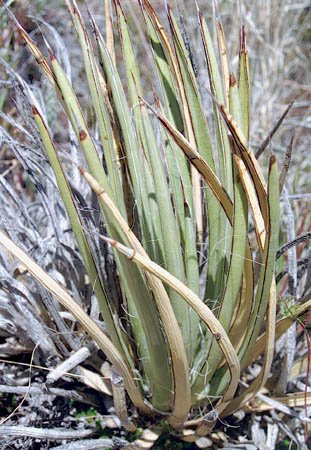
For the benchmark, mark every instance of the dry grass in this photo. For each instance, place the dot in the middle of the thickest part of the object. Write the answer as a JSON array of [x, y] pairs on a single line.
[[279, 44]]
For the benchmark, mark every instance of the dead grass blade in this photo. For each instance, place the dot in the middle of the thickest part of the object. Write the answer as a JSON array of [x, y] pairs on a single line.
[[88, 324], [273, 131]]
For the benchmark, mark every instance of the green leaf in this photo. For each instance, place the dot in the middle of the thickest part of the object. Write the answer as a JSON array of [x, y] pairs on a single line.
[[268, 263], [102, 115], [77, 228], [82, 317], [244, 86], [170, 234], [201, 309], [233, 282], [179, 363]]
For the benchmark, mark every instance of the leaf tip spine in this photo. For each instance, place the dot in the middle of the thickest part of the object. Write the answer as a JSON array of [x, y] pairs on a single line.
[[82, 135], [34, 110], [51, 54], [112, 242], [243, 40], [232, 80], [81, 170], [272, 160]]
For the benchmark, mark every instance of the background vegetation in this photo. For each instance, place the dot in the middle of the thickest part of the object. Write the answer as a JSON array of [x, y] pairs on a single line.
[[278, 41]]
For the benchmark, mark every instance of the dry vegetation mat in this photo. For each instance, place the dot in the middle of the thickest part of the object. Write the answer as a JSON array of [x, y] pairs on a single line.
[[155, 225]]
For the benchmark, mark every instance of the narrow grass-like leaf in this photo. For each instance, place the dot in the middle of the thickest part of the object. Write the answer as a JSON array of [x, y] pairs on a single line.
[[154, 364], [253, 202], [178, 166], [151, 345], [170, 324], [265, 292], [233, 281], [102, 115], [249, 160], [191, 258], [141, 308], [150, 342], [244, 86], [163, 55], [152, 238], [79, 124], [172, 248], [109, 31], [176, 177], [162, 48], [44, 65], [196, 127], [88, 324], [136, 291], [238, 249], [223, 56], [148, 333], [201, 165], [234, 102], [91, 155], [243, 312], [268, 139], [261, 379], [132, 71], [170, 57], [201, 309], [123, 113], [216, 85], [268, 260], [133, 153], [77, 228], [219, 230], [171, 242], [41, 60], [211, 61]]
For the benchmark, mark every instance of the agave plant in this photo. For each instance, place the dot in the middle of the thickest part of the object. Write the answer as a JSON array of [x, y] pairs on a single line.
[[184, 210]]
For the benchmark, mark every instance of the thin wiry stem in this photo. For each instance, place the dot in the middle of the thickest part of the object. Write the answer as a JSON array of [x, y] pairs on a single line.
[[303, 238]]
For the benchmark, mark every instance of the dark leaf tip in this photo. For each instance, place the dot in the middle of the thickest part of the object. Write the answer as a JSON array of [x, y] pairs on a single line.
[[51, 54], [243, 40], [232, 80], [82, 171], [82, 135], [34, 110]]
